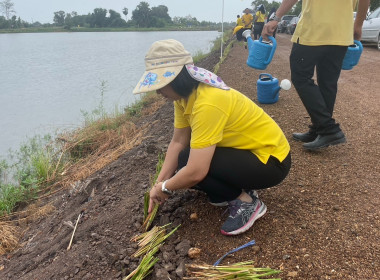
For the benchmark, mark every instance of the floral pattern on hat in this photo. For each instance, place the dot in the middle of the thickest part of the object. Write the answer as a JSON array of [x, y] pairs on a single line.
[[149, 80], [206, 77]]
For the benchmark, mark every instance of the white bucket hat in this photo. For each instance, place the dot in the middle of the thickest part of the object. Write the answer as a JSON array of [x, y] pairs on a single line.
[[163, 62]]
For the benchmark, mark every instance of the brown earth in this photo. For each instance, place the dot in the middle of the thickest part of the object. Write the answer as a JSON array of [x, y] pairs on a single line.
[[322, 221]]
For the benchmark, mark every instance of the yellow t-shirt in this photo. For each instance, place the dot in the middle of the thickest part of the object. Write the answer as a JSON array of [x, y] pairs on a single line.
[[260, 17], [325, 22], [228, 118], [247, 18], [239, 22]]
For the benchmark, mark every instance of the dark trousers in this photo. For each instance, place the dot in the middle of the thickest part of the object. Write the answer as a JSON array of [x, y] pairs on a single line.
[[233, 170], [257, 29], [319, 100]]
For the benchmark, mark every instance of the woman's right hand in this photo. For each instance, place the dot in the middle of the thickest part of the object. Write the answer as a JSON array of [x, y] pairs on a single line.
[[156, 196]]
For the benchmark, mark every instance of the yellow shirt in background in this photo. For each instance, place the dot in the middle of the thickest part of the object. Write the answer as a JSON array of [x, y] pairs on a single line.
[[260, 17], [326, 22], [247, 18], [228, 118], [239, 22]]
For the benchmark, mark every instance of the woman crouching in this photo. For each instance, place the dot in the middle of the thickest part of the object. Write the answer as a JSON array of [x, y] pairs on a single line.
[[223, 143]]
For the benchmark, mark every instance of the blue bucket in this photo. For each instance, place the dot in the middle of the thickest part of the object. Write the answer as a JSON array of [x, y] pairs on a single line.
[[268, 90]]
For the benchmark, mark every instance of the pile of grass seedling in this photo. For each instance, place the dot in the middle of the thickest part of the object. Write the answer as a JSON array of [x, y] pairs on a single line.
[[148, 243], [241, 271]]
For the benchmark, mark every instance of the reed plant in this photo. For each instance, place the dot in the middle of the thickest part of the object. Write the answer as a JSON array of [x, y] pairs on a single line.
[[149, 217], [241, 270], [150, 239], [145, 266], [148, 243]]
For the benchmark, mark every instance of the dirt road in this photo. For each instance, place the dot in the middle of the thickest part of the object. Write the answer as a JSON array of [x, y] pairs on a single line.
[[322, 221]]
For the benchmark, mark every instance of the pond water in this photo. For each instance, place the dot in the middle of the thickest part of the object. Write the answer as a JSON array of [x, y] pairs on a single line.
[[47, 80]]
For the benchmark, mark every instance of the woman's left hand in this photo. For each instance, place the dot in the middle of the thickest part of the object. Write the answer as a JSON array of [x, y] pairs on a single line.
[[156, 196]]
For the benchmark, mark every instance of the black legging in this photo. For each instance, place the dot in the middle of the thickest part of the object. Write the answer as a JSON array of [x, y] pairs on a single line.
[[233, 170]]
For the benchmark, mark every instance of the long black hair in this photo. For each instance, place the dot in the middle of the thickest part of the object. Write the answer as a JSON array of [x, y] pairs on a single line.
[[262, 9], [184, 84]]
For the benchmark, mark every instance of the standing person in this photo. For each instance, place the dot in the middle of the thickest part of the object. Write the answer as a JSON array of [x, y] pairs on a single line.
[[259, 22], [320, 44], [247, 19], [239, 21], [270, 14], [238, 29], [223, 143]]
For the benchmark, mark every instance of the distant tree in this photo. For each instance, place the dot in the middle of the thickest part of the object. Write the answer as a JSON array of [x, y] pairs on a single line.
[[6, 8], [14, 22], [68, 21], [115, 19], [297, 8], [98, 18], [161, 12], [59, 18], [125, 12], [273, 4], [141, 15], [374, 4], [257, 3]]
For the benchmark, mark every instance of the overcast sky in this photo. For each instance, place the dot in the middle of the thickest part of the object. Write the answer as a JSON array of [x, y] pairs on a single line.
[[209, 10]]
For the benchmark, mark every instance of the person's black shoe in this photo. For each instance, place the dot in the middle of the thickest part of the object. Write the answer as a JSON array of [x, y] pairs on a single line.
[[305, 137], [323, 141]]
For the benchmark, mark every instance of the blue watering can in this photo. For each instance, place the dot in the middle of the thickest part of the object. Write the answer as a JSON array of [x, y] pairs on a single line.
[[260, 53], [268, 90], [352, 55]]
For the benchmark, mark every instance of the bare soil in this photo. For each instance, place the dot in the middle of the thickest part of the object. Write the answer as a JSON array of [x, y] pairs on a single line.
[[322, 220]]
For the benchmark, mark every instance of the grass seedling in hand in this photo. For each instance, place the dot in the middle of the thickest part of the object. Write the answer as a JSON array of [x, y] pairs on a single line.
[[149, 217]]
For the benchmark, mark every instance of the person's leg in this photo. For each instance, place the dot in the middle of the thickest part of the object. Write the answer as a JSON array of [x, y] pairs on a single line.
[[303, 60], [239, 35], [328, 72], [232, 171], [260, 29]]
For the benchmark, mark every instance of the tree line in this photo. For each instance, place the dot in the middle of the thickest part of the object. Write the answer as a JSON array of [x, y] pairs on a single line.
[[143, 16]]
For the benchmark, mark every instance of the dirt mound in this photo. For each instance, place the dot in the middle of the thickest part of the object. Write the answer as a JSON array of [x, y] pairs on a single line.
[[322, 221]]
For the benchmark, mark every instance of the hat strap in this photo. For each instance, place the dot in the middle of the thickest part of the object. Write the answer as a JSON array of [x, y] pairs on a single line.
[[206, 77]]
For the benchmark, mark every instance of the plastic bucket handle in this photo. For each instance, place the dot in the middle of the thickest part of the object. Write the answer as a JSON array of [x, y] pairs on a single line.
[[265, 74], [274, 42]]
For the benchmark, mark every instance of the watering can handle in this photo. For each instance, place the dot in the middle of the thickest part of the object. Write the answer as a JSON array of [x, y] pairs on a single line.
[[265, 74], [273, 49], [359, 44]]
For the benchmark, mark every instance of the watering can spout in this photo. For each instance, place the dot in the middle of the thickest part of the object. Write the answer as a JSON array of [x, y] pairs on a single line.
[[247, 35]]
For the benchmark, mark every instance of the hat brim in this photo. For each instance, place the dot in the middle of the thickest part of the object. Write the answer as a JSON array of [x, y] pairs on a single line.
[[156, 79]]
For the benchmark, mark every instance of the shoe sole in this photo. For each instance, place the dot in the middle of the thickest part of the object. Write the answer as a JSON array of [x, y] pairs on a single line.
[[219, 204], [304, 141], [335, 142], [261, 212]]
